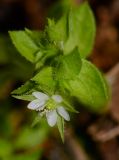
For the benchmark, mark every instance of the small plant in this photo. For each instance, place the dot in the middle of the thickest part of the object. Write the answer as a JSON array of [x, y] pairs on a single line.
[[61, 71]]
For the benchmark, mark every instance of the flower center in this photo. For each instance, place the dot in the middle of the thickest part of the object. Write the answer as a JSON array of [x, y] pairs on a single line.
[[51, 104]]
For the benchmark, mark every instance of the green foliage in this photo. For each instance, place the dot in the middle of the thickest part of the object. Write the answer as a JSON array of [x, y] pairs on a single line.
[[77, 28], [69, 106], [57, 32], [69, 66], [44, 79], [81, 30], [60, 124], [14, 66], [58, 55], [24, 44], [24, 92], [90, 88]]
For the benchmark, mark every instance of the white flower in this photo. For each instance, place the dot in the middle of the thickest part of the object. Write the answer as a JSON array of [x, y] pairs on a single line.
[[51, 106]]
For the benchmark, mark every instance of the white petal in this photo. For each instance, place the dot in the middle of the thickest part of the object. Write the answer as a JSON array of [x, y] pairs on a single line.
[[36, 104], [40, 95], [62, 112], [57, 98], [51, 117]]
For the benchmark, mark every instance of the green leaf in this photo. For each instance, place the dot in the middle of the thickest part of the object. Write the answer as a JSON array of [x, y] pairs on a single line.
[[60, 124], [81, 30], [90, 87], [24, 44], [70, 66], [24, 92], [69, 107], [44, 80], [57, 32], [37, 36]]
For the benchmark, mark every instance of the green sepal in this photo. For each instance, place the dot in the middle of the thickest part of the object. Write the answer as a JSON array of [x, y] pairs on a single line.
[[36, 120], [60, 124], [69, 107]]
